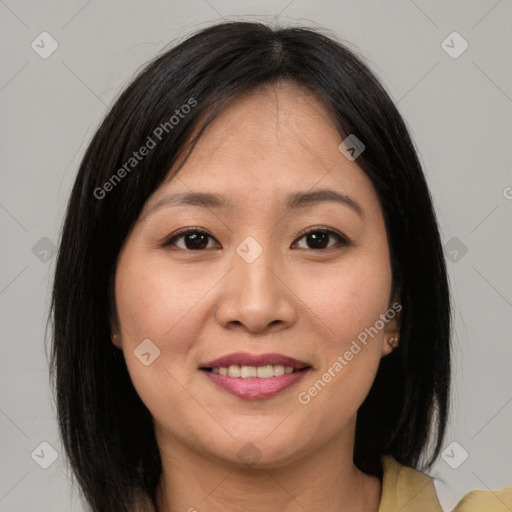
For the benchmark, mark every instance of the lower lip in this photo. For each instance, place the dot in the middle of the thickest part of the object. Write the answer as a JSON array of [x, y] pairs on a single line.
[[254, 388]]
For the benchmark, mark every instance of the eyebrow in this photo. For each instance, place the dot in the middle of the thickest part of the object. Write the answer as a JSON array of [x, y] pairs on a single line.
[[292, 202]]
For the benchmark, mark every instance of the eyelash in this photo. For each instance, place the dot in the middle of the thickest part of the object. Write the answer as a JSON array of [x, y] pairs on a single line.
[[342, 240]]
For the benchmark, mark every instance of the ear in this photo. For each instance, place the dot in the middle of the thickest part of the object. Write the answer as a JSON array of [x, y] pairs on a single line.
[[116, 338], [115, 335], [392, 328]]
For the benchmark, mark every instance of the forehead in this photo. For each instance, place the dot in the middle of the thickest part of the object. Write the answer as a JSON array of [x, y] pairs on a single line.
[[281, 125], [274, 141]]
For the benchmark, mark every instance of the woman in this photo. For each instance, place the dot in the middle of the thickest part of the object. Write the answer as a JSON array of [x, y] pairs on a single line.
[[251, 306]]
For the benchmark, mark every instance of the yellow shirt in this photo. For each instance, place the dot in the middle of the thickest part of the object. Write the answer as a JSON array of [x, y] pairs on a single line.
[[405, 489]]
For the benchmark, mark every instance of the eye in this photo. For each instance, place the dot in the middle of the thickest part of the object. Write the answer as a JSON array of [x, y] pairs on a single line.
[[318, 238], [195, 239]]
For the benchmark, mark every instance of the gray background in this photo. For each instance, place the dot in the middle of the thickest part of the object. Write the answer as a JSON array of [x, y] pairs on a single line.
[[458, 111]]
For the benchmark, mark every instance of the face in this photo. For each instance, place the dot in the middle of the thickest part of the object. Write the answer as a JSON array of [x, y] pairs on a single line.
[[291, 291]]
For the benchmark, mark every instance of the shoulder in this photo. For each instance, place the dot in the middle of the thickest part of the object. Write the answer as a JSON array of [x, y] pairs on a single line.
[[409, 490], [406, 489], [490, 501]]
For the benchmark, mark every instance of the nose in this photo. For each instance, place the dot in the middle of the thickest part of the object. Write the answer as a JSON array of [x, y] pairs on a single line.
[[256, 296]]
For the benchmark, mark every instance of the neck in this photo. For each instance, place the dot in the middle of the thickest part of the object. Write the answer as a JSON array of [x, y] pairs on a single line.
[[324, 480]]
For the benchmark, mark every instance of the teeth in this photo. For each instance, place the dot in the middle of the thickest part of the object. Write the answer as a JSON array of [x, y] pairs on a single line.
[[278, 370], [265, 372], [247, 371], [234, 370], [261, 372]]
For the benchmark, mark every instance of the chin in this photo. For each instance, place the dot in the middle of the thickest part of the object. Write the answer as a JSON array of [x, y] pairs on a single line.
[[263, 452]]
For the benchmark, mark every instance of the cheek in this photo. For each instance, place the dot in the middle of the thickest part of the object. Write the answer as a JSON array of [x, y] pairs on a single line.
[[166, 304], [155, 303], [153, 299], [152, 305], [348, 298]]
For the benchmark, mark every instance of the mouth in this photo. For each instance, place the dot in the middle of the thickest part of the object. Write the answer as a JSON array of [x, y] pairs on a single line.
[[255, 376]]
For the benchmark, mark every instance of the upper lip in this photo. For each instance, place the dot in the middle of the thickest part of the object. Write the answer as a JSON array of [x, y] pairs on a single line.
[[246, 359]]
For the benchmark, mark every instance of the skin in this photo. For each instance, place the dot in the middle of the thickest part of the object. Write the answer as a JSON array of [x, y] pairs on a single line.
[[293, 299]]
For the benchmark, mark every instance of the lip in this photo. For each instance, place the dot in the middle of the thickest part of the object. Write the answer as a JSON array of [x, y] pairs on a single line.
[[255, 388], [246, 359]]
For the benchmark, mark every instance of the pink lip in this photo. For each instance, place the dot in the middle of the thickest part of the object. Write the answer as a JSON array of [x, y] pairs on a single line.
[[246, 359], [254, 388]]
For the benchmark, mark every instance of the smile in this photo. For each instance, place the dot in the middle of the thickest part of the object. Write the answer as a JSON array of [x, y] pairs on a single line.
[[260, 372], [254, 377]]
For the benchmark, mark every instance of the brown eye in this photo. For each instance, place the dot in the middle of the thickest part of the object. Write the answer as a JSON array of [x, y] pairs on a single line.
[[193, 240], [319, 239]]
